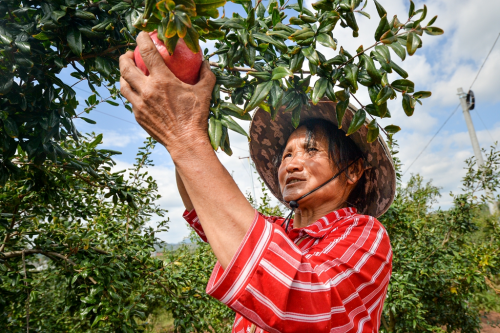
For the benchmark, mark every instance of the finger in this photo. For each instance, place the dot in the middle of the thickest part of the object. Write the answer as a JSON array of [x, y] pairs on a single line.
[[207, 77], [127, 92], [150, 55], [130, 73]]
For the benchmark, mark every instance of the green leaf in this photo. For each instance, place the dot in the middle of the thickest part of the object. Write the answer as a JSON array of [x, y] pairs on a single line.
[[192, 40], [230, 81], [261, 76], [403, 85], [411, 11], [422, 94], [230, 109], [276, 96], [4, 39], [281, 72], [233, 125], [6, 84], [326, 40], [303, 34], [392, 129], [407, 105], [311, 55], [208, 7], [319, 90], [382, 28], [399, 70], [357, 121], [24, 47], [330, 93], [340, 109], [112, 103], [377, 110], [399, 50], [384, 52], [260, 94], [297, 61], [265, 38], [388, 37], [74, 38], [431, 22], [90, 121], [296, 116], [434, 31], [412, 43], [364, 13], [45, 35], [103, 66], [351, 75], [380, 10], [10, 127], [96, 141], [373, 131], [84, 15], [214, 131], [384, 94], [371, 69], [328, 24]]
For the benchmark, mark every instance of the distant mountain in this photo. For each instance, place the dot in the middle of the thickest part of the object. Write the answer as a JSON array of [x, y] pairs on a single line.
[[173, 246]]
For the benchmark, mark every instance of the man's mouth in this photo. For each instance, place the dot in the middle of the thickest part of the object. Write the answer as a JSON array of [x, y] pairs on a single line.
[[293, 181]]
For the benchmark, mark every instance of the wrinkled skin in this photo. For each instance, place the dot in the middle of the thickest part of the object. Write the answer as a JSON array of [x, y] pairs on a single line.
[[304, 168]]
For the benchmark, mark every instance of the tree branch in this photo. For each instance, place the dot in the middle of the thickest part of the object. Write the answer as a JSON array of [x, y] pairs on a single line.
[[14, 254], [12, 223], [94, 55], [364, 108]]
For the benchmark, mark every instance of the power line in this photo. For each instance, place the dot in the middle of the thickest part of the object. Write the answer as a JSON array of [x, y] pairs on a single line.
[[481, 68], [107, 114], [428, 143], [487, 130], [449, 117]]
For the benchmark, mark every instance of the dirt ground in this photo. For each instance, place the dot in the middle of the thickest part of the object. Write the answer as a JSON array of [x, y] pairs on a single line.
[[490, 322]]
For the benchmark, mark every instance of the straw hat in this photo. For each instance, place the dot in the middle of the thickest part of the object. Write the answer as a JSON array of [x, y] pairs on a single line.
[[268, 137]]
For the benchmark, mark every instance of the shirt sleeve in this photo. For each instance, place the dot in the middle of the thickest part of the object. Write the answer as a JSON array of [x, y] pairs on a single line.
[[338, 286], [192, 219]]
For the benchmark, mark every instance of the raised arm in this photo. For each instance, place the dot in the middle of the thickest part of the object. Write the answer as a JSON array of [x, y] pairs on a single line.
[[186, 200], [176, 114]]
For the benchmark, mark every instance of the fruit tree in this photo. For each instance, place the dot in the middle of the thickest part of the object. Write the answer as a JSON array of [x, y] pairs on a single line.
[[61, 200]]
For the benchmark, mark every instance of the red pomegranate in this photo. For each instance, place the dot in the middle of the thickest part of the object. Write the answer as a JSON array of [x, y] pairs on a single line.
[[183, 63]]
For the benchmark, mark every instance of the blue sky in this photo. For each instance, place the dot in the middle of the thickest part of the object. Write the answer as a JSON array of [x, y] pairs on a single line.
[[444, 64]]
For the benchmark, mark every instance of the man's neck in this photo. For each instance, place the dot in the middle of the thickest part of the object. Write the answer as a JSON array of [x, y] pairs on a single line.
[[305, 216]]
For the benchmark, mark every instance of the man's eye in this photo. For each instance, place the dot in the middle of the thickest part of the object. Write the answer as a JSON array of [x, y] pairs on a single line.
[[312, 149], [287, 155]]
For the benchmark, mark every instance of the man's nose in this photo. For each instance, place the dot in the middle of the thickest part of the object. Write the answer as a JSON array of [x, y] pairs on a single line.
[[296, 163]]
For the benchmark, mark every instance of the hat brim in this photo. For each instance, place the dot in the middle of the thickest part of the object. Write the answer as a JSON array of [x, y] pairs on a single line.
[[269, 136]]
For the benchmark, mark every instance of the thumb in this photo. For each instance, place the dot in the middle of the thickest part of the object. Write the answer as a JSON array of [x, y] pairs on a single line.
[[207, 78]]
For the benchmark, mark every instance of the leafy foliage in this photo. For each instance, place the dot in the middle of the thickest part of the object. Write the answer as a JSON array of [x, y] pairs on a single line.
[[40, 38], [96, 272], [442, 259]]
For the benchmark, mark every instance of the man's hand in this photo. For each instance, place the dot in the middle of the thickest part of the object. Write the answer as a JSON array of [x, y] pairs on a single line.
[[172, 112]]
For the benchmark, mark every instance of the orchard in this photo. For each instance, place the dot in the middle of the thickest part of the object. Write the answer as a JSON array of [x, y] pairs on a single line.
[[63, 202]]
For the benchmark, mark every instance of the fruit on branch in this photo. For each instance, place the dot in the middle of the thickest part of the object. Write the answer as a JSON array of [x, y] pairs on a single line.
[[183, 62]]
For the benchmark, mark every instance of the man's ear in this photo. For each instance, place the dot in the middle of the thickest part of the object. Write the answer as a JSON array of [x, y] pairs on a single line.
[[355, 172]]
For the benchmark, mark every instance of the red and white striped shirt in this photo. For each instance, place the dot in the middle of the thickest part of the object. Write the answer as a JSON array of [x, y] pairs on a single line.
[[330, 276]]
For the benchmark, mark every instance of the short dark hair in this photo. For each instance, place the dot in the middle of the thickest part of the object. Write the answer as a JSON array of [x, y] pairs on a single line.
[[341, 150]]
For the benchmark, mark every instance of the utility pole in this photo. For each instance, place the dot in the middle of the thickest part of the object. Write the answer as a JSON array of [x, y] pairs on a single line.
[[475, 145]]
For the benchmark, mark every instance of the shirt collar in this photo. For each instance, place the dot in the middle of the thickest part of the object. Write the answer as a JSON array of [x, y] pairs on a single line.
[[325, 224]]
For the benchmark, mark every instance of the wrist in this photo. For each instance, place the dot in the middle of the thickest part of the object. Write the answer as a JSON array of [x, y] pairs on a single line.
[[189, 146]]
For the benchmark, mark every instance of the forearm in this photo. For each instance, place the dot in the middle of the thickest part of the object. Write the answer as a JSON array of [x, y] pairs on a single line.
[[183, 192], [223, 210]]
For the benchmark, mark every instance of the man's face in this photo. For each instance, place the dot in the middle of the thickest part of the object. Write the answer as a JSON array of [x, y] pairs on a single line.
[[304, 167]]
